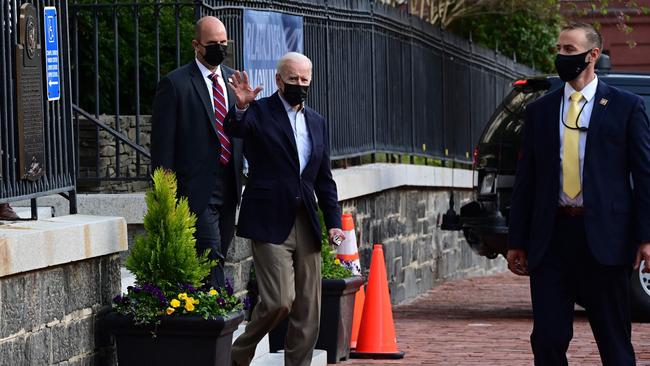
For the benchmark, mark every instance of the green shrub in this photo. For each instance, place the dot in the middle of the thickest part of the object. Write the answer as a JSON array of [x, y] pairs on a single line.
[[166, 255], [169, 273]]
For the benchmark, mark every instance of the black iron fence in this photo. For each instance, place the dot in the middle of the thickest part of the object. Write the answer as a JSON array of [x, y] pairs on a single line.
[[37, 158], [386, 81]]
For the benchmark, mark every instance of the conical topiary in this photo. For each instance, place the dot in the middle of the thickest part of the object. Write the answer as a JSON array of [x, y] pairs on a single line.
[[166, 255]]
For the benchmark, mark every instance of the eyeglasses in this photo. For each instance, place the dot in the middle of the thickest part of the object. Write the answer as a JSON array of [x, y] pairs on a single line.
[[579, 128]]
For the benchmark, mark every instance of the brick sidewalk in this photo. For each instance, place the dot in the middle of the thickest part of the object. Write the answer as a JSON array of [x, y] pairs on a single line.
[[484, 321]]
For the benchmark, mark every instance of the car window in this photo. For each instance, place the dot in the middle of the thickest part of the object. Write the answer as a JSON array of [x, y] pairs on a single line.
[[509, 119]]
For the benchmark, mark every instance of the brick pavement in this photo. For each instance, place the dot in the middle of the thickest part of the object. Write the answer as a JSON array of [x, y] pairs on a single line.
[[484, 321]]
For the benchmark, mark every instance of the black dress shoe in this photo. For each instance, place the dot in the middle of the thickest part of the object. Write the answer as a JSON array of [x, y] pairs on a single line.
[[8, 213]]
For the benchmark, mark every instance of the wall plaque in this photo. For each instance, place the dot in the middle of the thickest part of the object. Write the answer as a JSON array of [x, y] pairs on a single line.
[[29, 86]]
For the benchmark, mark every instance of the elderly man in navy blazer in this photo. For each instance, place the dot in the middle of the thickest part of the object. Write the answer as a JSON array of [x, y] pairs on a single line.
[[287, 147], [580, 214]]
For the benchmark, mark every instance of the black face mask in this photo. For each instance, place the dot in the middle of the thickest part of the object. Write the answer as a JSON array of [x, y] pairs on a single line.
[[215, 53], [295, 94], [570, 66]]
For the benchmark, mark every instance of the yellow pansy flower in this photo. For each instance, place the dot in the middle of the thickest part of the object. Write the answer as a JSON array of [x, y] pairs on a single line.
[[337, 262], [189, 306], [213, 292], [175, 303], [170, 311], [191, 300], [182, 296]]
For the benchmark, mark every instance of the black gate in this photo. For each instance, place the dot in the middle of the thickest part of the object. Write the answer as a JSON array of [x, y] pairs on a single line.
[[386, 81], [57, 140]]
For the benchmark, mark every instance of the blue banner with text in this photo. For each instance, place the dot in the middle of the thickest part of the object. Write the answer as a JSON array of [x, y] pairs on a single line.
[[268, 36]]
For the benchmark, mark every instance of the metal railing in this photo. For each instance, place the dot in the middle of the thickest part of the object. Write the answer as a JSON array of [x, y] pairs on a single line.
[[386, 81], [57, 138]]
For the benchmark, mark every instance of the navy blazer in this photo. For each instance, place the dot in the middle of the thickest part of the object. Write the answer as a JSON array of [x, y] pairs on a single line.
[[275, 185], [184, 136], [616, 177]]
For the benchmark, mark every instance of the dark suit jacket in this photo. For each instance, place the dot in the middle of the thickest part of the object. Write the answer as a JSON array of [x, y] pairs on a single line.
[[184, 137], [617, 151], [269, 205]]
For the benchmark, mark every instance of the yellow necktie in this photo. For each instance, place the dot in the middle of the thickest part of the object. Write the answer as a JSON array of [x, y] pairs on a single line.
[[570, 156]]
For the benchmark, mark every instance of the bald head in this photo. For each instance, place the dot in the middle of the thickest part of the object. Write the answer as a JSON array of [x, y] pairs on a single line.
[[210, 42], [210, 30]]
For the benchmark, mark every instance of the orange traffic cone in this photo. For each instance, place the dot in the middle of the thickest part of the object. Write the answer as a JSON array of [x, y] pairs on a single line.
[[359, 300], [377, 331], [348, 250]]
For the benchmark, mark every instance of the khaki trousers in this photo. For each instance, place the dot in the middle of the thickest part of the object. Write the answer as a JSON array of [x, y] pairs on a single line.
[[289, 281]]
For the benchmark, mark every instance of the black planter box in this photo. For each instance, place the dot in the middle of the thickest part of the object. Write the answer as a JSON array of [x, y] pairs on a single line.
[[336, 313], [178, 340]]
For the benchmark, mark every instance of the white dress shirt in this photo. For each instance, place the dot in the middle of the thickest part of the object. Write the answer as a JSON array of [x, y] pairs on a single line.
[[588, 94], [298, 126], [208, 82], [300, 132]]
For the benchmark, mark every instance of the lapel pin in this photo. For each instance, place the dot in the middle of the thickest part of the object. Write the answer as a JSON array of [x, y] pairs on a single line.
[[603, 101]]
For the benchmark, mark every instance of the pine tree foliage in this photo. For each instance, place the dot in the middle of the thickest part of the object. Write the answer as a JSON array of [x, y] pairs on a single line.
[[166, 255]]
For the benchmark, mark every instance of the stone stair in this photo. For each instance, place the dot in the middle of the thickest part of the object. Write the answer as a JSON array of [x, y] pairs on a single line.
[[26, 212], [264, 358]]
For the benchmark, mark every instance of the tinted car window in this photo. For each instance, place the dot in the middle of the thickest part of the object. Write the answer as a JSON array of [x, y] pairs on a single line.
[[502, 136], [510, 119]]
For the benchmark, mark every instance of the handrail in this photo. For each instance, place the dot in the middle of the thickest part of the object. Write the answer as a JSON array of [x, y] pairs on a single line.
[[120, 136]]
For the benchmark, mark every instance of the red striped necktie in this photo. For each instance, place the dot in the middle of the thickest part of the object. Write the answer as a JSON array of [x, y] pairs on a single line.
[[220, 111]]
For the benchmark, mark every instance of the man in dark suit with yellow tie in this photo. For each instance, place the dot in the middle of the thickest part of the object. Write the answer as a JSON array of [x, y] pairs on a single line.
[[187, 137], [580, 211]]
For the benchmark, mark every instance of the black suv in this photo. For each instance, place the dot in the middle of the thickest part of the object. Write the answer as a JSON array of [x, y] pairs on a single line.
[[484, 221]]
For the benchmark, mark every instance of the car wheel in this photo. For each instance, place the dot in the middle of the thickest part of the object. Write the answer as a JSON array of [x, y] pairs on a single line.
[[640, 295]]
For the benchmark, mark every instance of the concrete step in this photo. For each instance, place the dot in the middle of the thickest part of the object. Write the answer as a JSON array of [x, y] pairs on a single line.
[[26, 212], [262, 347], [264, 358], [277, 359], [128, 279]]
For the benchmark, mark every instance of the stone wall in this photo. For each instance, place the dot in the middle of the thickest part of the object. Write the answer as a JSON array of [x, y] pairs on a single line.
[[418, 253], [406, 221], [49, 316], [98, 155], [57, 276]]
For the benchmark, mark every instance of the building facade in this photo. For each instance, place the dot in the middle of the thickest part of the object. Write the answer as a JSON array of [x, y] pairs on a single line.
[[628, 51]]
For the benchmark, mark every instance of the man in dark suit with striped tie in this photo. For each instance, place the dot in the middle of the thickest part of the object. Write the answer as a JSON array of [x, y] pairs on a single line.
[[187, 137]]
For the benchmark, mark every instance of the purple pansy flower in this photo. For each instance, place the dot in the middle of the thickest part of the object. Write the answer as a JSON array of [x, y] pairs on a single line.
[[188, 288]]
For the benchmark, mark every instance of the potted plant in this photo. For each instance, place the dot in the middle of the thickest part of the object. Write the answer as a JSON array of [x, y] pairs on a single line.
[[169, 317], [339, 287]]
